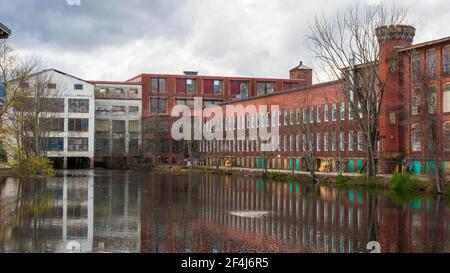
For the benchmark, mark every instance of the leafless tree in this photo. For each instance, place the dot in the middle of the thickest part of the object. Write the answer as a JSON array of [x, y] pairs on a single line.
[[347, 39], [424, 114]]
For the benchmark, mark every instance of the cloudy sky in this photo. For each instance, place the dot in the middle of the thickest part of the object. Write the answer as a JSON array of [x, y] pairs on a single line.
[[117, 39]]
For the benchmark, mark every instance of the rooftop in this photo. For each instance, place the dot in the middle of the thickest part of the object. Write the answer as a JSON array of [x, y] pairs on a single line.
[[429, 43], [4, 31]]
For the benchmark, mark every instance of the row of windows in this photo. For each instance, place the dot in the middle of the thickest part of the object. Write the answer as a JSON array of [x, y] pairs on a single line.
[[430, 95], [74, 144], [431, 63], [57, 124], [77, 86], [418, 135], [317, 142], [238, 88], [116, 91], [117, 144], [118, 126], [117, 109], [310, 115]]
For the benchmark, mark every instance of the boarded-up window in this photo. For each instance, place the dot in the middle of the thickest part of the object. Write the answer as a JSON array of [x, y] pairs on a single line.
[[208, 86], [133, 126], [78, 106], [102, 125], [446, 92], [78, 144], [181, 86]]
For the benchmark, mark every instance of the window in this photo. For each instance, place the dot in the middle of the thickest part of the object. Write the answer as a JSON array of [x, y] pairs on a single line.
[[158, 106], [318, 142], [304, 142], [51, 85], [177, 146], [297, 116], [360, 141], [55, 144], [133, 109], [297, 143], [291, 143], [392, 119], [415, 65], [342, 111], [118, 145], [311, 114], [350, 141], [446, 97], [446, 136], [325, 113], [78, 106], [416, 143], [78, 86], [263, 88], [54, 124], [305, 115], [102, 126], [333, 141], [190, 85], [78, 125], [218, 87], [102, 108], [133, 126], [325, 142], [158, 85], [333, 112], [119, 108], [415, 102], [292, 117], [319, 118], [78, 144], [118, 126], [244, 90], [431, 100], [286, 118], [342, 142], [446, 60], [431, 63], [164, 146]]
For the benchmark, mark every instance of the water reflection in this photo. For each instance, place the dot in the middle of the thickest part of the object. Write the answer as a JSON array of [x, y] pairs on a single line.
[[115, 211]]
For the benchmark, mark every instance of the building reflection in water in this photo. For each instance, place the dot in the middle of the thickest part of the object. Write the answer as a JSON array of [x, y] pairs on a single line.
[[115, 211]]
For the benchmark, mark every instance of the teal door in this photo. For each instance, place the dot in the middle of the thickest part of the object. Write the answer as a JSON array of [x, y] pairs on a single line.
[[263, 163], [297, 164], [360, 165], [430, 167], [291, 164], [351, 166], [415, 167], [257, 163]]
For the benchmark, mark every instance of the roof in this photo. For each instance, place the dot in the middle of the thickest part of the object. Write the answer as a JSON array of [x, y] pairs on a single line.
[[182, 76], [60, 72], [113, 82], [429, 43], [4, 31], [297, 89], [301, 66]]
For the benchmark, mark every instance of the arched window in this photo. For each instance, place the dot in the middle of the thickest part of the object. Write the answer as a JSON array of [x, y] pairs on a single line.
[[446, 97], [416, 140], [446, 60]]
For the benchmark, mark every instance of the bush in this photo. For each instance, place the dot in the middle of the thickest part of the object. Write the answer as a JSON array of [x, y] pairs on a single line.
[[36, 166], [404, 183], [273, 175], [341, 180], [447, 191], [3, 156]]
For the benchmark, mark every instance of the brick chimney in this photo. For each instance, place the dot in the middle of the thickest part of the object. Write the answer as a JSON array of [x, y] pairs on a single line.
[[301, 72]]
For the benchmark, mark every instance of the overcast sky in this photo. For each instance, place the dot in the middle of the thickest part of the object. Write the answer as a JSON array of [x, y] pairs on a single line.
[[118, 39]]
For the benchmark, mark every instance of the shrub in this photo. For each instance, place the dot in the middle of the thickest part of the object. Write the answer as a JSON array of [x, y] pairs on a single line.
[[3, 156], [341, 180], [447, 191], [36, 166], [404, 183], [273, 176]]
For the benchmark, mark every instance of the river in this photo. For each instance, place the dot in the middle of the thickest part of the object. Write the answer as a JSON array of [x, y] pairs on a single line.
[[132, 211]]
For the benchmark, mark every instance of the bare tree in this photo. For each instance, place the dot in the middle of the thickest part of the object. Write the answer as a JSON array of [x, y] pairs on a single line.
[[424, 114], [348, 39]]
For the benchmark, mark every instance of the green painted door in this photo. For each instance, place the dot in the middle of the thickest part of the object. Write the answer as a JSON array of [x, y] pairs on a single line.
[[415, 167], [430, 167], [360, 165], [291, 164], [351, 166], [263, 163], [297, 164], [257, 163]]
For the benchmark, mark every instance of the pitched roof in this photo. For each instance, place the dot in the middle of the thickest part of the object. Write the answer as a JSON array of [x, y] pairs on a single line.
[[301, 66], [4, 31], [424, 44]]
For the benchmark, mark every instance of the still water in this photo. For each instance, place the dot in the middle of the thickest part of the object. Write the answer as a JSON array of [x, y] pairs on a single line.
[[118, 211]]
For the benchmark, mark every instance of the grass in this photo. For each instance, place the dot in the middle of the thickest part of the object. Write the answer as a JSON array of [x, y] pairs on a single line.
[[405, 183]]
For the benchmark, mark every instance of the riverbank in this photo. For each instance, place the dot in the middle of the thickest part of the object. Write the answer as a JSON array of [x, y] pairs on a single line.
[[354, 180]]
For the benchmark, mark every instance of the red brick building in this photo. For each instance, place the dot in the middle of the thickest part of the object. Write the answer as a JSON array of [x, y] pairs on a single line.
[[161, 92], [336, 138]]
